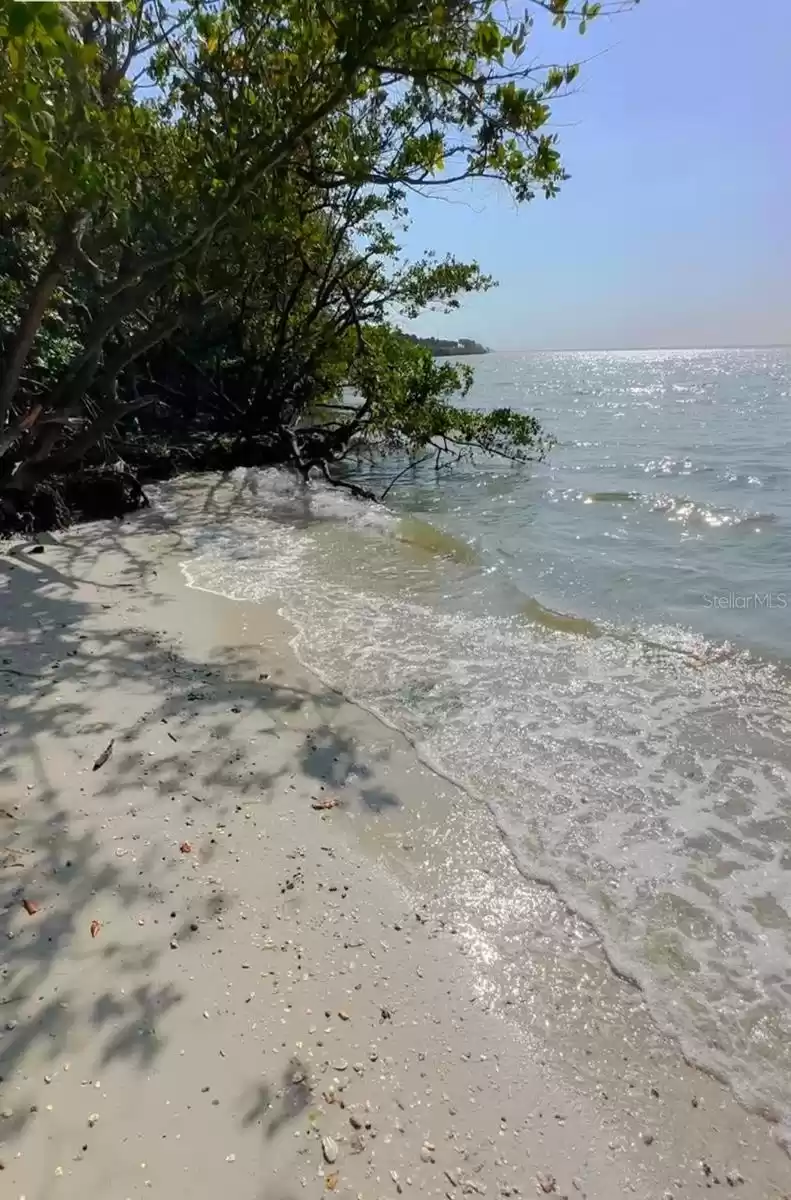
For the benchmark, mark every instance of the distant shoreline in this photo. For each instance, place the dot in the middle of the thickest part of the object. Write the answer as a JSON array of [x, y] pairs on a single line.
[[449, 347]]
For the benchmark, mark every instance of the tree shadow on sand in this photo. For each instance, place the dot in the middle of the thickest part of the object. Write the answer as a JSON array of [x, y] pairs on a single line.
[[60, 650], [271, 1108]]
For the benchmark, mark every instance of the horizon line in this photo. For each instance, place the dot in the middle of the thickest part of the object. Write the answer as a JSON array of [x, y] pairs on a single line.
[[606, 349]]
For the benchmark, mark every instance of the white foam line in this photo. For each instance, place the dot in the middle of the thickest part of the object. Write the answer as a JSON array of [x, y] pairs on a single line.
[[694, 1054]]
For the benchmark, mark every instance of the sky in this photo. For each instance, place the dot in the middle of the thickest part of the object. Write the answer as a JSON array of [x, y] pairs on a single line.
[[675, 226]]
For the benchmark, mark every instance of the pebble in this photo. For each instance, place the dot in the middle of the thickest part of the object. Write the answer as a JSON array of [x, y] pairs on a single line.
[[546, 1181], [329, 1148], [340, 1065], [425, 1155], [7, 1114]]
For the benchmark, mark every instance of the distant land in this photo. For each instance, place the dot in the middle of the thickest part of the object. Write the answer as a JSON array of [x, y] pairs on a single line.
[[446, 348]]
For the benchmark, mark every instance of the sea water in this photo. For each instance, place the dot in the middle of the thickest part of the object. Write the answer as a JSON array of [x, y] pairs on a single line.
[[598, 647]]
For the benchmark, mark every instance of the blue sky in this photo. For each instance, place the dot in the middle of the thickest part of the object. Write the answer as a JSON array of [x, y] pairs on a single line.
[[675, 227]]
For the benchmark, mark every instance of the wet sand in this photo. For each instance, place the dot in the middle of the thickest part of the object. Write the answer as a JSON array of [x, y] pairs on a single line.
[[230, 957]]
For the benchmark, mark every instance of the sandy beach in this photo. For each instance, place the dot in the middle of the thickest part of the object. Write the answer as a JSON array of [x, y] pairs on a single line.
[[229, 958]]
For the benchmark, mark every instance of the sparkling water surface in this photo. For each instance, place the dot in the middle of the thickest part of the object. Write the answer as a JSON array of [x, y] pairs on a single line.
[[598, 647]]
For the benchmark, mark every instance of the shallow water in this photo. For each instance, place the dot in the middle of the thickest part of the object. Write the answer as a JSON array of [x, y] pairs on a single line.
[[598, 648]]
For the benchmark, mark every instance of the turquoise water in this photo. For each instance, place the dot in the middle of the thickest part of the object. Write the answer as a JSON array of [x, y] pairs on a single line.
[[667, 501], [596, 646]]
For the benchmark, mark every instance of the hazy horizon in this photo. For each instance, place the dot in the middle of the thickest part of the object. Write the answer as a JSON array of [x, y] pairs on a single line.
[[621, 349]]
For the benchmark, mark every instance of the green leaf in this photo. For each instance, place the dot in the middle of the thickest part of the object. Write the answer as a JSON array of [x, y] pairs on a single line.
[[21, 17], [38, 152], [49, 16]]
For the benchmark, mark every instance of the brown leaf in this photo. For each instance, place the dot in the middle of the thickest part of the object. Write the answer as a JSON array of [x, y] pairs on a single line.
[[331, 1181], [30, 907], [95, 927], [324, 802], [186, 847], [105, 754]]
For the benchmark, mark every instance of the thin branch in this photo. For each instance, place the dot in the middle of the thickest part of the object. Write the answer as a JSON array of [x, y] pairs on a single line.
[[360, 492], [411, 466]]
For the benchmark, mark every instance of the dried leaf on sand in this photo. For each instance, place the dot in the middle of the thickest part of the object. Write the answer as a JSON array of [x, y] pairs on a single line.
[[105, 755]]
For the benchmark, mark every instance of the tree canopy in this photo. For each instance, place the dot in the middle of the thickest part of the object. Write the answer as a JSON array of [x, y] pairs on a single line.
[[200, 205]]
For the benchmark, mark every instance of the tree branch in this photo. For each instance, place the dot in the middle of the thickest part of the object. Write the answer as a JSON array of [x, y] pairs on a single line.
[[51, 275]]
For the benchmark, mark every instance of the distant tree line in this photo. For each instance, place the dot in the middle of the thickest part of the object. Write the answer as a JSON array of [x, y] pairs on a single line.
[[200, 205], [447, 347]]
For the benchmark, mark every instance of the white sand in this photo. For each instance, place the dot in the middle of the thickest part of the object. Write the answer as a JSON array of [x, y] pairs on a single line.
[[274, 984]]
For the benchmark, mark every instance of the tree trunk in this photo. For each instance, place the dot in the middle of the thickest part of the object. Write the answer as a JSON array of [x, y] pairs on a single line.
[[31, 473], [30, 321]]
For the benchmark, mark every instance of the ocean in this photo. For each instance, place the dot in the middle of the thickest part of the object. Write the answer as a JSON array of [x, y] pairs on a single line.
[[597, 648]]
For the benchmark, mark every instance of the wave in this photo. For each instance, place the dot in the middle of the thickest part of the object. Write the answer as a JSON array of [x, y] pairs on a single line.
[[535, 612], [672, 642], [612, 497], [680, 509], [689, 513], [422, 535], [642, 774], [432, 710]]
